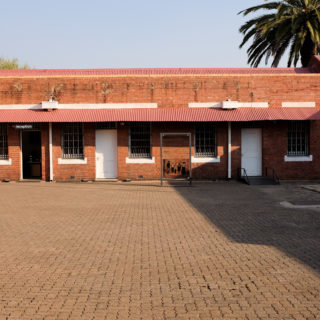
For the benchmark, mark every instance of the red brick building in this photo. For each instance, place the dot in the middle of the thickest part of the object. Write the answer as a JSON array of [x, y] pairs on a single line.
[[101, 124]]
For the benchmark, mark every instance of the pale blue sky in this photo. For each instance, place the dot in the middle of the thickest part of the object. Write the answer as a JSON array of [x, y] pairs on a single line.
[[123, 33]]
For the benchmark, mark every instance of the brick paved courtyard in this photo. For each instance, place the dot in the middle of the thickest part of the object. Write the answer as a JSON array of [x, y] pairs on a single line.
[[117, 251]]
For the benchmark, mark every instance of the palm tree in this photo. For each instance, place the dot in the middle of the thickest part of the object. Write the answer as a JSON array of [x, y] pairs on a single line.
[[293, 24]]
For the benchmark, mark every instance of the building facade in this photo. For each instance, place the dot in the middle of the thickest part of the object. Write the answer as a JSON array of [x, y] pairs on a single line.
[[110, 124]]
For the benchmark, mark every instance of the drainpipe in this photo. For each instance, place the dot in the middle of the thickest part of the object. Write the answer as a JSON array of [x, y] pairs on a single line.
[[229, 150], [50, 152]]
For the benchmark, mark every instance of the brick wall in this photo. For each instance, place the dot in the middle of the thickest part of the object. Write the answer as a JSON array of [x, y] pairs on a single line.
[[173, 148], [168, 91], [274, 153], [174, 91], [74, 171], [12, 171]]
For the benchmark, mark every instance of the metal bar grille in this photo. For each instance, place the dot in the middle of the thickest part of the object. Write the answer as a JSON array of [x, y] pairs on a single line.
[[3, 142], [298, 138], [205, 140], [140, 142], [72, 141]]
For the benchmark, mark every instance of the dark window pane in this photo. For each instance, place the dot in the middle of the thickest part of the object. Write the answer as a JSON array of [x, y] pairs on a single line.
[[72, 141], [3, 141], [140, 142], [205, 140], [298, 138]]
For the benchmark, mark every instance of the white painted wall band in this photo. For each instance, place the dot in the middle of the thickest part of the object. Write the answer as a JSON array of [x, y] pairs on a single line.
[[298, 104], [92, 106], [219, 104]]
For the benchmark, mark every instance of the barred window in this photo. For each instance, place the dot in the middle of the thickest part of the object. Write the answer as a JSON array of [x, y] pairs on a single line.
[[205, 140], [140, 142], [3, 141], [72, 141], [298, 138]]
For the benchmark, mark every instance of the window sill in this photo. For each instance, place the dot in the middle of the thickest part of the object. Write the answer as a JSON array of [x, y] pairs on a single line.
[[6, 162], [205, 159], [140, 160], [298, 158], [72, 161]]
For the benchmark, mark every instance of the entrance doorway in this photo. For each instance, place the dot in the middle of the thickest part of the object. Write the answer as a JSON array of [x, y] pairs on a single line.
[[31, 154], [251, 151], [106, 154]]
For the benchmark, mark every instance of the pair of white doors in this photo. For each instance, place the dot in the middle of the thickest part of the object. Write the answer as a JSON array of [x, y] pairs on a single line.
[[251, 151], [106, 154]]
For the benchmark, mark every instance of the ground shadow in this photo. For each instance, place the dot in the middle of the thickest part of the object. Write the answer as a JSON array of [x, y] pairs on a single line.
[[253, 215]]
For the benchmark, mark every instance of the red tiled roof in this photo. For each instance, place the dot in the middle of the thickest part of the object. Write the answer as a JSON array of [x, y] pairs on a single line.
[[160, 115], [147, 71]]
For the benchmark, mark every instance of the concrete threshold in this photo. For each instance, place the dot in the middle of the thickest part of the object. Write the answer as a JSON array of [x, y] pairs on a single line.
[[312, 187], [300, 205]]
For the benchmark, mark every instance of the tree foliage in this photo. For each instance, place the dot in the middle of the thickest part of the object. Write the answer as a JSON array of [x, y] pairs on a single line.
[[11, 64], [286, 24]]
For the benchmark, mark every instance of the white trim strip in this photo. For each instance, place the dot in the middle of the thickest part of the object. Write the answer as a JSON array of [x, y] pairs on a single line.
[[219, 104], [92, 106], [20, 106], [298, 158], [7, 162], [204, 105], [205, 159], [140, 160], [254, 104], [72, 161], [298, 104]]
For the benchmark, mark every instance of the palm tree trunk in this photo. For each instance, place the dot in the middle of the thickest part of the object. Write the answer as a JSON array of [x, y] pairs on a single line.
[[308, 50]]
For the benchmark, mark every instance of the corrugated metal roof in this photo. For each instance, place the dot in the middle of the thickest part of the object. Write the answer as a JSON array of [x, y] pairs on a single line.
[[147, 71], [160, 115]]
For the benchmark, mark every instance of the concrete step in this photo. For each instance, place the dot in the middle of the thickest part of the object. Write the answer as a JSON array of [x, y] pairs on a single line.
[[258, 181]]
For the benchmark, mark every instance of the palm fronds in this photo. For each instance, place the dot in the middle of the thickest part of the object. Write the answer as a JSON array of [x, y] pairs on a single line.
[[291, 24]]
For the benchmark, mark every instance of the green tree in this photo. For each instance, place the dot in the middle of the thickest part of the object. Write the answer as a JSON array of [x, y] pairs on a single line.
[[286, 24], [11, 64]]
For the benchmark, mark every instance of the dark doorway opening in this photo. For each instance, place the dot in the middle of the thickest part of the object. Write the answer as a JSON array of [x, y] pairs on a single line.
[[31, 154]]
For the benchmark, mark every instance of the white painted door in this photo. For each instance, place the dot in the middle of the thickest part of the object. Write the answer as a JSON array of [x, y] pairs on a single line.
[[251, 151], [106, 154]]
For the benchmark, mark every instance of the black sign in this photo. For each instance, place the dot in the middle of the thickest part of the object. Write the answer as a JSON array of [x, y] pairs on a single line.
[[23, 126]]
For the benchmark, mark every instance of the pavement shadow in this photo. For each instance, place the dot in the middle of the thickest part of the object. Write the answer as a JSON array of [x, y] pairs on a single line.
[[248, 214]]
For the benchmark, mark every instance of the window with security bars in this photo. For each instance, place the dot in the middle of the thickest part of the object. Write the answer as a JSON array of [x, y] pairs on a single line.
[[3, 142], [205, 140], [140, 142], [72, 141], [298, 138]]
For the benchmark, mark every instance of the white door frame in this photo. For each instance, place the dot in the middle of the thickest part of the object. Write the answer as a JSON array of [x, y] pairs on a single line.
[[258, 171], [116, 154]]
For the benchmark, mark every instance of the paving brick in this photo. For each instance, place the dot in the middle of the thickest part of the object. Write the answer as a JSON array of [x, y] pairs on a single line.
[[119, 251]]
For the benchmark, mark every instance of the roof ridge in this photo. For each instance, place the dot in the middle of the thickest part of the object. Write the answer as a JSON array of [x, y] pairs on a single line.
[[151, 71]]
